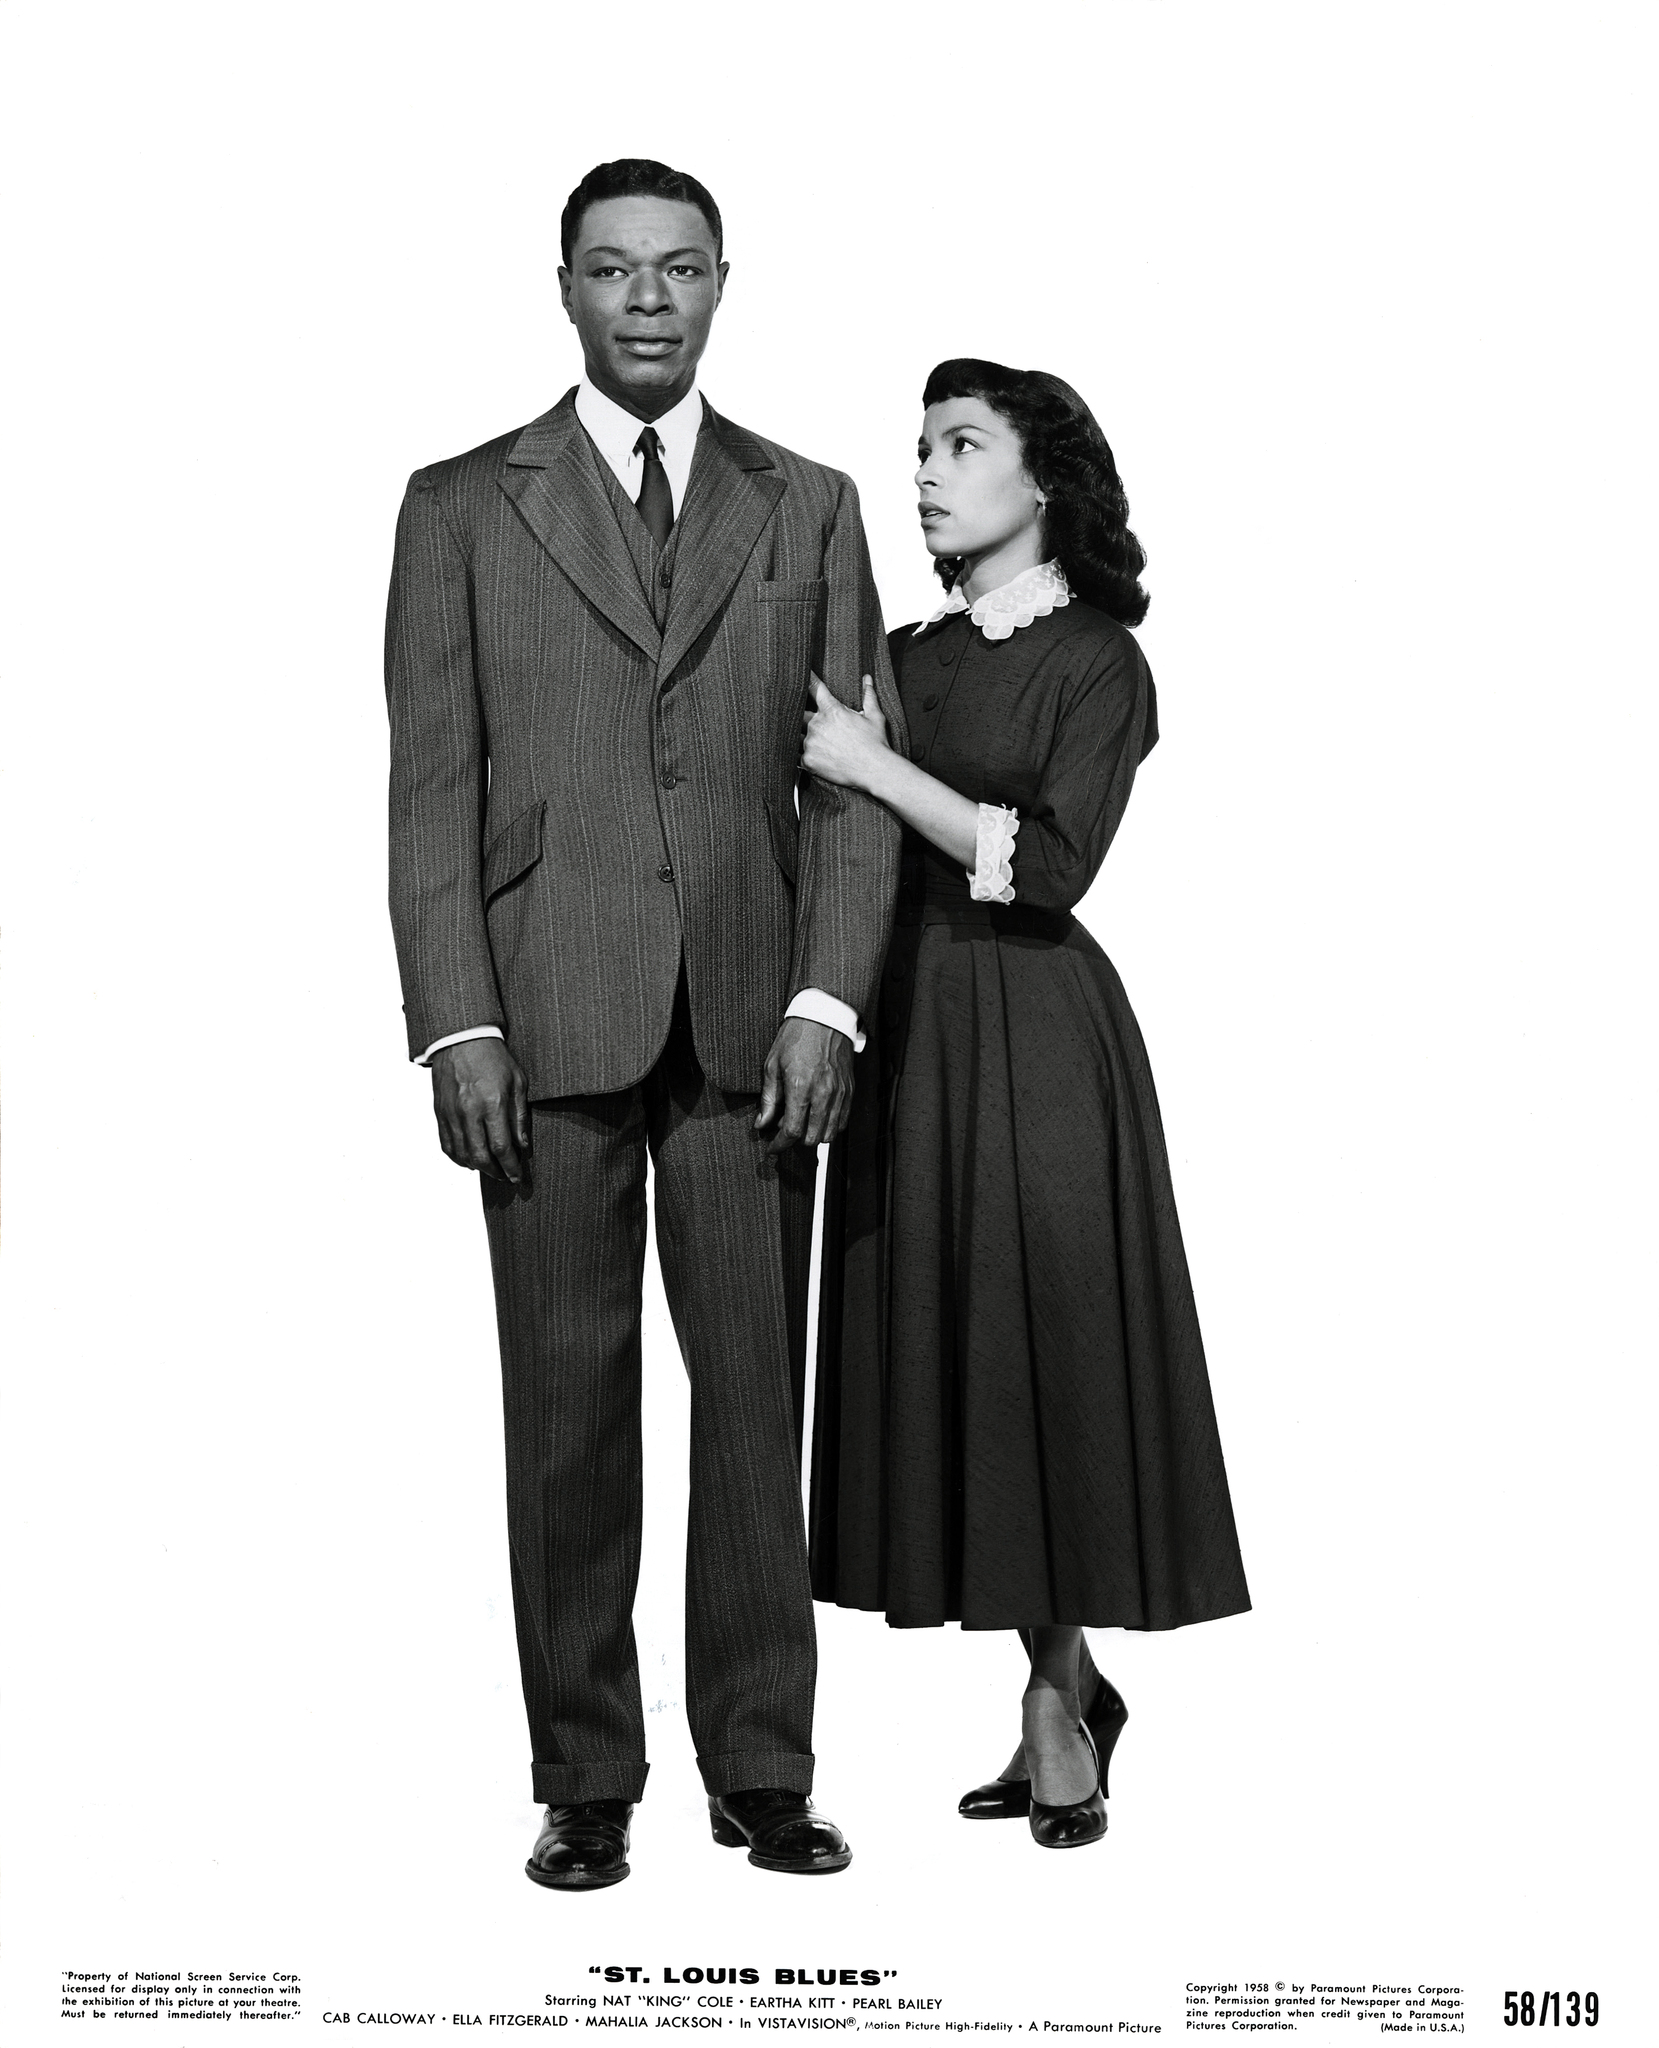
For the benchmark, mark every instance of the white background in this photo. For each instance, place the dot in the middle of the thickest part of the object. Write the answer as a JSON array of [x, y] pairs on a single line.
[[1362, 298]]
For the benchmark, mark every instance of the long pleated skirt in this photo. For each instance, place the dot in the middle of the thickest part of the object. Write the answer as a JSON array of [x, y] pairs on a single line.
[[1013, 1417]]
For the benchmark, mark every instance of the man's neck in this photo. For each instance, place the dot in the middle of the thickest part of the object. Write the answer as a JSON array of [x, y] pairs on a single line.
[[644, 405]]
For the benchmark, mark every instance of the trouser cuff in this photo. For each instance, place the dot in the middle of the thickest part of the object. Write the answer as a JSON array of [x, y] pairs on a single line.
[[748, 1770], [569, 1784]]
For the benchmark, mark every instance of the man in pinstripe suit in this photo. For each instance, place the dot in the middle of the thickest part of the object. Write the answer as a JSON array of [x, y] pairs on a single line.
[[618, 940]]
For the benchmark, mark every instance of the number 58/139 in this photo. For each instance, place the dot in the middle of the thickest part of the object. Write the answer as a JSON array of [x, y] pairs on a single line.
[[1546, 2009]]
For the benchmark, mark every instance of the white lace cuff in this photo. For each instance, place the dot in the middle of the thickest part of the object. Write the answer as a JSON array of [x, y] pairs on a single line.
[[992, 880]]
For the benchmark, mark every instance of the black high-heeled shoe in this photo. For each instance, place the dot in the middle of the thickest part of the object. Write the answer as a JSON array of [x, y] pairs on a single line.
[[1010, 1798], [1074, 1825]]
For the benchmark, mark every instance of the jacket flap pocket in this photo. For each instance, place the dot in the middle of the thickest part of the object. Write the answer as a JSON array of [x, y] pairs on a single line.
[[785, 831], [515, 848], [791, 591]]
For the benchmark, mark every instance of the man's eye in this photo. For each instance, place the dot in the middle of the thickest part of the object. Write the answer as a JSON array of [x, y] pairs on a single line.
[[607, 270], [686, 269]]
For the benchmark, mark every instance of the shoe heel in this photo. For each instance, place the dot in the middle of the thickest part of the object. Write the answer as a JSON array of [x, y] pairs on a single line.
[[1105, 1718], [724, 1833]]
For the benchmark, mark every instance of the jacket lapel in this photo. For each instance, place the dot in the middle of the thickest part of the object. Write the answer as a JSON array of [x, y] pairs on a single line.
[[553, 478], [731, 495]]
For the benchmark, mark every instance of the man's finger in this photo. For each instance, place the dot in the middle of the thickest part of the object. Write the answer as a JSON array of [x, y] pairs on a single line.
[[521, 1115], [817, 1116], [792, 1121], [835, 1119], [499, 1137], [768, 1096], [821, 692]]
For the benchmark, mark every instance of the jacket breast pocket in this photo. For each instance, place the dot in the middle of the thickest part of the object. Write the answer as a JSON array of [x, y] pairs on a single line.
[[514, 850], [791, 616]]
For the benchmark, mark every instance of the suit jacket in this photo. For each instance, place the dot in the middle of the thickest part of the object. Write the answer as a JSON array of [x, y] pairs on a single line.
[[595, 755]]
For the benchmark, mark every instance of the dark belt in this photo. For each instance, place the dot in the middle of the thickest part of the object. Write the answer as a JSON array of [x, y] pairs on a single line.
[[1021, 919]]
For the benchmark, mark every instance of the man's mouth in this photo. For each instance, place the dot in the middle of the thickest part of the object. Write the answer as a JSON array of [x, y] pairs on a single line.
[[647, 345]]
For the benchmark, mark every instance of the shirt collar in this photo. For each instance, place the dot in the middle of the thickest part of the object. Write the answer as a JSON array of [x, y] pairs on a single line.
[[615, 430], [1032, 594]]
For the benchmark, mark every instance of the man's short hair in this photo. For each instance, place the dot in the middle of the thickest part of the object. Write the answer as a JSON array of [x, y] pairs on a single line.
[[635, 177]]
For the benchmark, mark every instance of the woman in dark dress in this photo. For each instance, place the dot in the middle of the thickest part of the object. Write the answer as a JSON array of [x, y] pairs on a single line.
[[1014, 1427]]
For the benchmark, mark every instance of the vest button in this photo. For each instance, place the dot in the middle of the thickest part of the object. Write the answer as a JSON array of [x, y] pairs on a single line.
[[665, 575], [665, 873], [669, 781]]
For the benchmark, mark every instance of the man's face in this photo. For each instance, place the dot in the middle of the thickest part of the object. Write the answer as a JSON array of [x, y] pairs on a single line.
[[641, 291]]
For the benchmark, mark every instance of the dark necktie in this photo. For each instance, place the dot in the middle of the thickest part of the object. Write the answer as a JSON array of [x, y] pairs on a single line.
[[656, 500]]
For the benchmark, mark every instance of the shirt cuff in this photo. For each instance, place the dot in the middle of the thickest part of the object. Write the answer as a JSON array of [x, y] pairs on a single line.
[[991, 879], [455, 1038], [819, 1008]]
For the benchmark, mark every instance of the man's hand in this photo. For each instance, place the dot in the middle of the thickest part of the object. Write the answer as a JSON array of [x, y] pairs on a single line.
[[482, 1104], [808, 1088]]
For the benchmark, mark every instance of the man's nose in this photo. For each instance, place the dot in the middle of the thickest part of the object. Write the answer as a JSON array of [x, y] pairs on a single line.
[[649, 293]]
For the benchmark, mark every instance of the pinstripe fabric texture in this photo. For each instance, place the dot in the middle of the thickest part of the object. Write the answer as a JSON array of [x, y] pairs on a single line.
[[594, 844], [580, 796], [733, 1226]]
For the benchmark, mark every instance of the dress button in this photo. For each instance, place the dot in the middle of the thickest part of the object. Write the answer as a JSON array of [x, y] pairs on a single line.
[[917, 751], [665, 873], [930, 700], [669, 781], [946, 657]]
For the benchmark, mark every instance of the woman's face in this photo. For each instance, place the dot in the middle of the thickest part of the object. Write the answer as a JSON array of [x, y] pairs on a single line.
[[976, 498]]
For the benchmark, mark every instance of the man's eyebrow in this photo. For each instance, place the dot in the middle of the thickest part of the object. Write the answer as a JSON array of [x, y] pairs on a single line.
[[604, 249]]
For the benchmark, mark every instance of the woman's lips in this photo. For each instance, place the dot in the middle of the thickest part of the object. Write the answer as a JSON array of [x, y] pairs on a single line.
[[928, 512]]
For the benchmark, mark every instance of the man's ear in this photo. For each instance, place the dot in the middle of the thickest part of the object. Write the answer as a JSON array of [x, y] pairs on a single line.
[[720, 281], [566, 281]]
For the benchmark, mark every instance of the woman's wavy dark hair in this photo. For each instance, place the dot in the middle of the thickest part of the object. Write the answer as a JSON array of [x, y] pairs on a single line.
[[1068, 458]]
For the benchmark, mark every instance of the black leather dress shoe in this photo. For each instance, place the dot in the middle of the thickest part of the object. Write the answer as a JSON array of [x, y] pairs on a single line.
[[781, 1829], [1010, 1798], [582, 1846], [1083, 1821]]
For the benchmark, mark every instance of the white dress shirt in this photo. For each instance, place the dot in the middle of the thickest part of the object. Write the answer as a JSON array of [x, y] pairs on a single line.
[[614, 432]]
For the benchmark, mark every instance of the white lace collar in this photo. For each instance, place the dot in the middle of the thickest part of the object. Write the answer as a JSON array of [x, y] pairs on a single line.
[[1032, 594]]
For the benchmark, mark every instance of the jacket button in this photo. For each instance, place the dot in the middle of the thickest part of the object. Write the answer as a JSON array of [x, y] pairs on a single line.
[[930, 700], [665, 873], [669, 781]]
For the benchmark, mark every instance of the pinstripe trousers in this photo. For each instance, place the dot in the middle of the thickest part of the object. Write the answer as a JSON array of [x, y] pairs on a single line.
[[568, 1255]]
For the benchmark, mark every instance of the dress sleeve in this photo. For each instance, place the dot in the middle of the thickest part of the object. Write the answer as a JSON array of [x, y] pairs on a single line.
[[1105, 728]]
